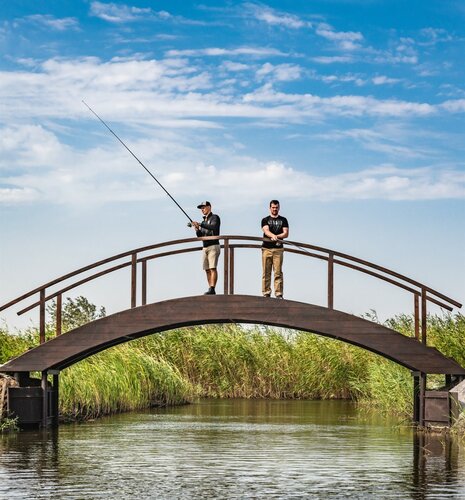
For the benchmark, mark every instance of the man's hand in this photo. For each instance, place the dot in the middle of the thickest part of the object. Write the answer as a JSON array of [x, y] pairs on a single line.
[[195, 225]]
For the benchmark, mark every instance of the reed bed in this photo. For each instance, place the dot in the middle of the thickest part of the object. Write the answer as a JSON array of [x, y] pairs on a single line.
[[234, 361], [124, 378], [230, 361]]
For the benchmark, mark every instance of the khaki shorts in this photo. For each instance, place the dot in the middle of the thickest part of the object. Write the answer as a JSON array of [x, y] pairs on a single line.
[[210, 256]]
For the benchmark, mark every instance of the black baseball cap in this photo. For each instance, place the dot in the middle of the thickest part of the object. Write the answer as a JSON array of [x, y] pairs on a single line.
[[204, 204]]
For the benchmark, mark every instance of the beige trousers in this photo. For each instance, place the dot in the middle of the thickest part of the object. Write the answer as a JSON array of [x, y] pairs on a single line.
[[272, 259]]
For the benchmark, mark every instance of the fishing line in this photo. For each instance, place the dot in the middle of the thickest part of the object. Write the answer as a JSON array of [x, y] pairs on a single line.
[[141, 164]]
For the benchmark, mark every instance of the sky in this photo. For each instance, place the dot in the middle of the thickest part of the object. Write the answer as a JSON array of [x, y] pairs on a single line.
[[349, 112]]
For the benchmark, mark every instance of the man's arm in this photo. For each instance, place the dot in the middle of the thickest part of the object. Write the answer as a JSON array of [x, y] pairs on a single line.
[[269, 234], [275, 237]]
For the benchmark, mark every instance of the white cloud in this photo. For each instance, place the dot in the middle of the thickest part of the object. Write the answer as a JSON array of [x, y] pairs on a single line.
[[275, 18], [58, 24], [403, 53], [333, 59], [104, 174], [234, 66], [280, 72], [118, 13], [384, 80], [216, 52], [432, 36], [347, 105], [345, 40], [454, 106]]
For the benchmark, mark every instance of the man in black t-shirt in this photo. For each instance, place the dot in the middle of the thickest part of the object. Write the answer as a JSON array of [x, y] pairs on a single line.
[[210, 226], [275, 228]]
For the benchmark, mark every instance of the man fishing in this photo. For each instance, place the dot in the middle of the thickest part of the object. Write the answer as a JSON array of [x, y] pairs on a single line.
[[210, 226]]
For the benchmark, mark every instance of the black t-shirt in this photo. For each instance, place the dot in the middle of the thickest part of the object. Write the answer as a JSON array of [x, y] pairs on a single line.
[[275, 225]]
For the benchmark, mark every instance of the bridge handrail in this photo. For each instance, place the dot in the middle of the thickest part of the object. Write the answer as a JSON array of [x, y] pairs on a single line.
[[332, 256], [422, 293]]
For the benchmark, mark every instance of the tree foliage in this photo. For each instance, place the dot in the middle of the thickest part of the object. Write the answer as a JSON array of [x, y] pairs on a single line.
[[75, 312]]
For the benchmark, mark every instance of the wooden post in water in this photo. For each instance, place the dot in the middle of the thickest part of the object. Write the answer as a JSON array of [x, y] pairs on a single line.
[[43, 384]]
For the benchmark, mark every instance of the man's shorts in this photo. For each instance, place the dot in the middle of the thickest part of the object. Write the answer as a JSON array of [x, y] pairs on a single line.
[[210, 256]]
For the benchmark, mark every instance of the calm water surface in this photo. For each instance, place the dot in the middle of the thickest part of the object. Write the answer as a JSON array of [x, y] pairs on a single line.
[[233, 449]]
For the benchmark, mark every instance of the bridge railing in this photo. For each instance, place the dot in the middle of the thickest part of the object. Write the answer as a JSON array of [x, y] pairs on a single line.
[[422, 294]]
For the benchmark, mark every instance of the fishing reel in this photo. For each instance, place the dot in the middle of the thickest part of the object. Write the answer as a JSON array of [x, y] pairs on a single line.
[[189, 224]]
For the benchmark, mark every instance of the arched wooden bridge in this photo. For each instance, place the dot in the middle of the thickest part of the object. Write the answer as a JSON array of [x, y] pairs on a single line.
[[137, 321]]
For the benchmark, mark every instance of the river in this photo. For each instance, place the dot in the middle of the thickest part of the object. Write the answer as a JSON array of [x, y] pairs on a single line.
[[233, 449]]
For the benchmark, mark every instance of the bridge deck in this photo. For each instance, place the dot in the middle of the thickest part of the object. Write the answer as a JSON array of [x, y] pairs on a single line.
[[137, 322]]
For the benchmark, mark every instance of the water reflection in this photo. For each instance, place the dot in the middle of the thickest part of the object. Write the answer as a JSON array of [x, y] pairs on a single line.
[[233, 449], [436, 466]]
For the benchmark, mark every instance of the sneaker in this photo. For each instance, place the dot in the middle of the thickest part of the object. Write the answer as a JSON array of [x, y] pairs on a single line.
[[266, 295], [279, 297], [210, 291]]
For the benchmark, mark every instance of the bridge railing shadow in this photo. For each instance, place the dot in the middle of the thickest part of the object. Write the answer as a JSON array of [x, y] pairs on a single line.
[[137, 260]]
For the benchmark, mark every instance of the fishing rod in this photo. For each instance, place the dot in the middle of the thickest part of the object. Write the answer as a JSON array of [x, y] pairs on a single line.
[[142, 165]]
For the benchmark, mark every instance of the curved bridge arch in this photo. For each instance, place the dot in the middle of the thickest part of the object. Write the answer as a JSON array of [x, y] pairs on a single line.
[[137, 322]]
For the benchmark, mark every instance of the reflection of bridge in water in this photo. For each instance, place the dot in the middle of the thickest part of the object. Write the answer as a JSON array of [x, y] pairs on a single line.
[[36, 401]]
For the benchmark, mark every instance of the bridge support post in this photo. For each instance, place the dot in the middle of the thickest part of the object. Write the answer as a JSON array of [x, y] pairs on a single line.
[[54, 407], [419, 393], [44, 386]]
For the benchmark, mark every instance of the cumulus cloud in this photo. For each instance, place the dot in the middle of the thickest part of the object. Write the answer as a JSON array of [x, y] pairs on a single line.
[[103, 174]]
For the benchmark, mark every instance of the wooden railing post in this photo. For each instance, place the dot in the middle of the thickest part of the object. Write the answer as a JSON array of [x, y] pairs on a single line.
[[59, 308], [231, 270], [42, 316], [226, 266], [423, 316], [417, 316], [330, 280], [134, 280], [144, 282]]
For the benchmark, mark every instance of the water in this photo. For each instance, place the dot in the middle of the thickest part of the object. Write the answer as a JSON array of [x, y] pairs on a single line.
[[233, 449]]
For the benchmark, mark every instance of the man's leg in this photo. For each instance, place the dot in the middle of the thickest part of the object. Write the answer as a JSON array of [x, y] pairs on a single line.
[[267, 262], [278, 255], [212, 277], [212, 254]]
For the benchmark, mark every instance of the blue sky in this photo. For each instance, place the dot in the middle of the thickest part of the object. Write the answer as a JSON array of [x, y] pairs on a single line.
[[350, 112]]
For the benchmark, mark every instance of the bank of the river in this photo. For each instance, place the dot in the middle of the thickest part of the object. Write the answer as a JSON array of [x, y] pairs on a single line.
[[232, 361]]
